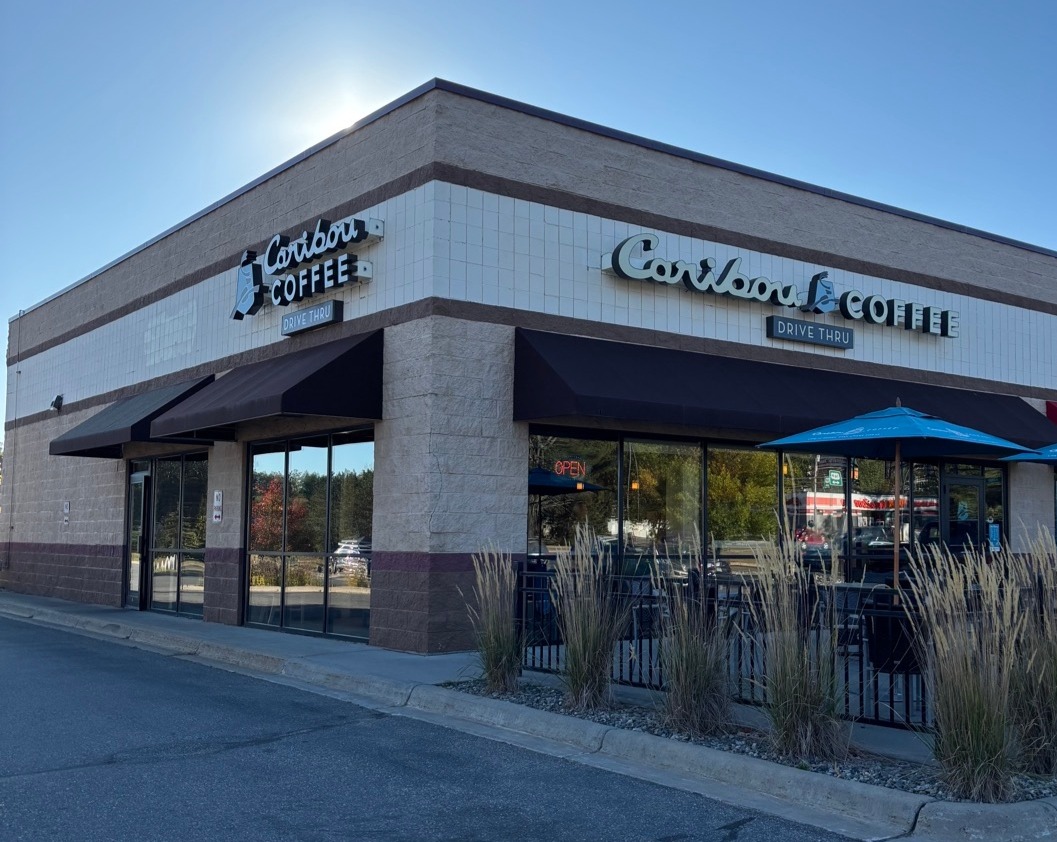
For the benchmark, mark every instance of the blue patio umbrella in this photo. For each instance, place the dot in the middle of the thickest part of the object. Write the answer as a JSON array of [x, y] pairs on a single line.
[[896, 433], [549, 484], [1044, 455]]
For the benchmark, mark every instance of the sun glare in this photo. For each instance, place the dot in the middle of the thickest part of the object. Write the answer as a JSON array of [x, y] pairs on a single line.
[[321, 117]]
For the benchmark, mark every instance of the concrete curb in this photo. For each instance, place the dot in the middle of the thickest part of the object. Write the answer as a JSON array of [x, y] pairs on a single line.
[[949, 820], [873, 805], [383, 691], [579, 733], [887, 813], [235, 657]]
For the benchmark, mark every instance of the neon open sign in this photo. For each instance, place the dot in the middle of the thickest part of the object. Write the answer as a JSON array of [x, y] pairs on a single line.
[[570, 468]]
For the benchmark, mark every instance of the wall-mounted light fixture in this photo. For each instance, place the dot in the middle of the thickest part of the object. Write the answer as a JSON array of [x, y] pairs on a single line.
[[57, 403]]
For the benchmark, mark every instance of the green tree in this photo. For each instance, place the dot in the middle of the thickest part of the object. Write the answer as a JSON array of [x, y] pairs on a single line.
[[742, 495], [352, 505]]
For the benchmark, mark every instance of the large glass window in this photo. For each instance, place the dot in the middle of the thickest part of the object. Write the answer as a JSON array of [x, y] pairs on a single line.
[[873, 515], [267, 525], [924, 504], [351, 510], [742, 505], [311, 508], [574, 481], [662, 509], [178, 534], [655, 499]]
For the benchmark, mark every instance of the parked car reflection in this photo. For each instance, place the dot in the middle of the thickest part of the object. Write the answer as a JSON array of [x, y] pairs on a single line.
[[353, 558]]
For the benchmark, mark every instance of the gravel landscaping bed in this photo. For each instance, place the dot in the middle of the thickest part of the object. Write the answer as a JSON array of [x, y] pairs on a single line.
[[858, 766]]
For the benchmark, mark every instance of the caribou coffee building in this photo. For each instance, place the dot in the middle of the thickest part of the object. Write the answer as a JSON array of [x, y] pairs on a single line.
[[306, 407]]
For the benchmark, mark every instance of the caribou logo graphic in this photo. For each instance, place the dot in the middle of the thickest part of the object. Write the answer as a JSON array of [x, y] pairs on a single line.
[[821, 297], [249, 295]]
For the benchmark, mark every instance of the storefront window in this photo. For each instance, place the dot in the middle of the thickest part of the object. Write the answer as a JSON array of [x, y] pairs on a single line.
[[816, 505], [963, 470], [178, 534], [266, 497], [662, 509], [351, 510], [266, 577], [351, 494], [311, 507], [575, 482], [306, 507], [925, 501], [872, 522], [742, 506]]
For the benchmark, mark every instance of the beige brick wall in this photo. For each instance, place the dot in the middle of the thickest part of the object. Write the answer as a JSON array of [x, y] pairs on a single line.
[[450, 475], [224, 540], [79, 560], [450, 464], [36, 485], [227, 473], [1031, 501]]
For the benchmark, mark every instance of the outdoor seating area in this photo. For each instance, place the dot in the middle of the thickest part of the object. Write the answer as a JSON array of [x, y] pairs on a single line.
[[879, 675]]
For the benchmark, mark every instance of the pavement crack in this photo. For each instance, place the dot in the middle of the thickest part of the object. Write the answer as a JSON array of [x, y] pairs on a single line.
[[734, 829], [195, 748]]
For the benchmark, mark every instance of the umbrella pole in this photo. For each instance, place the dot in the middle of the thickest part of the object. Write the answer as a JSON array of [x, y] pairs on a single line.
[[539, 528], [898, 532]]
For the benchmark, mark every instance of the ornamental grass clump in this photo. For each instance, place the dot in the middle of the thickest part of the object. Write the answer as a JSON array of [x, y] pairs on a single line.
[[494, 621], [1034, 682], [796, 639], [968, 623], [693, 654], [592, 618]]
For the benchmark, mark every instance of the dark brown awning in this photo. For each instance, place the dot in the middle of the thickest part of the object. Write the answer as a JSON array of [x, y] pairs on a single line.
[[127, 420], [341, 378], [565, 379]]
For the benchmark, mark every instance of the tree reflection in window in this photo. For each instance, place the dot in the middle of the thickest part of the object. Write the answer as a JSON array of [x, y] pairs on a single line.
[[552, 518], [662, 510]]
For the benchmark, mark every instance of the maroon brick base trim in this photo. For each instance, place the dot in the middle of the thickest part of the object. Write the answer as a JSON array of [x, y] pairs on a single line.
[[75, 572], [224, 585], [419, 601]]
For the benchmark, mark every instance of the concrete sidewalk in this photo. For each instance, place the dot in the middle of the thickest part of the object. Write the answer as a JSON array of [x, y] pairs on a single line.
[[405, 684]]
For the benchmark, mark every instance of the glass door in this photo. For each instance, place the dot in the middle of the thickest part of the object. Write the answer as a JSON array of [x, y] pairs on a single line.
[[964, 503], [138, 541]]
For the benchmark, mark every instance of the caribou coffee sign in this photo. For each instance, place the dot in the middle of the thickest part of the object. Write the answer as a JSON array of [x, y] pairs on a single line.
[[633, 260], [308, 266]]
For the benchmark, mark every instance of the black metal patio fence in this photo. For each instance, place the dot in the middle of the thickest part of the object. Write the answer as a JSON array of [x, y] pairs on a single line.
[[868, 636]]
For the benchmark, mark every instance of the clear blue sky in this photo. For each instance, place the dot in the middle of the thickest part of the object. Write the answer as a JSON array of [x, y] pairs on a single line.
[[119, 119]]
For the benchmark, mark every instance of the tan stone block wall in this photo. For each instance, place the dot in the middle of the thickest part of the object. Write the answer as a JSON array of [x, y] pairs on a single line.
[[1031, 500], [227, 473], [473, 135], [450, 475], [82, 559], [225, 540], [450, 464], [36, 485]]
